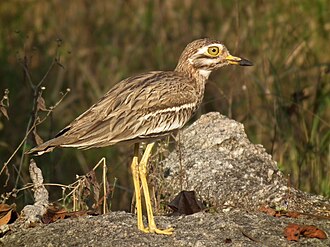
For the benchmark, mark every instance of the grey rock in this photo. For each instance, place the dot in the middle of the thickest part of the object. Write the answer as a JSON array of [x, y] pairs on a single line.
[[227, 171]]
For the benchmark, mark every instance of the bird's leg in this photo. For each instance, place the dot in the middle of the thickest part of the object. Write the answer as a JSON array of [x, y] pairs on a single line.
[[143, 171], [136, 181]]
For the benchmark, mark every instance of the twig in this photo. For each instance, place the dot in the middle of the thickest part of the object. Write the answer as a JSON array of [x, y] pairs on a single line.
[[16, 150], [36, 123], [77, 184], [46, 74], [36, 94], [104, 186]]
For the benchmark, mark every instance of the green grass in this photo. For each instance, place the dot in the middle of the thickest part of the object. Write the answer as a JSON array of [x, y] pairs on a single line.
[[283, 100]]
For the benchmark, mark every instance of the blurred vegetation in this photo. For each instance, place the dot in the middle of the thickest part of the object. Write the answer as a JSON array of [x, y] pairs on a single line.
[[88, 46]]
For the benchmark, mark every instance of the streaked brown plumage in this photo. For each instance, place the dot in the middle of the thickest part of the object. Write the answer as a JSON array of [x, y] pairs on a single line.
[[135, 109], [146, 106]]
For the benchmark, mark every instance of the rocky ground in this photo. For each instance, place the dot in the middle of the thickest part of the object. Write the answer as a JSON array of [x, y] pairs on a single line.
[[234, 228], [228, 173]]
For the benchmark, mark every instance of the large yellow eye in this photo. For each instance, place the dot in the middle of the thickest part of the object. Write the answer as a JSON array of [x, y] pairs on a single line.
[[213, 51]]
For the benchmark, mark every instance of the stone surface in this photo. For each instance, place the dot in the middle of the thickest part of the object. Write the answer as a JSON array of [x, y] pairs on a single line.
[[229, 173], [239, 228]]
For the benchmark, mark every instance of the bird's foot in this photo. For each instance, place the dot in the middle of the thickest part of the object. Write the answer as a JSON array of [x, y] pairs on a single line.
[[167, 231]]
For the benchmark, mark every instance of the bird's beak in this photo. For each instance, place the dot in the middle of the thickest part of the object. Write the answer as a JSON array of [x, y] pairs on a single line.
[[238, 61]]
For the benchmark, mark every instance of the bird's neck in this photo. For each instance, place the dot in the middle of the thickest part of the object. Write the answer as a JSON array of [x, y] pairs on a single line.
[[199, 74]]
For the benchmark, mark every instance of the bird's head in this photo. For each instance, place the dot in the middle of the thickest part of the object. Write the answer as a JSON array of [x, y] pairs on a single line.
[[205, 55]]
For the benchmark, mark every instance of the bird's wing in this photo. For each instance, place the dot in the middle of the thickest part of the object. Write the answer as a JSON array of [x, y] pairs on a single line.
[[138, 107]]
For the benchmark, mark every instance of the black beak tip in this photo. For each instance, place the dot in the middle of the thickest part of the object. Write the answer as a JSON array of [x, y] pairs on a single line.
[[245, 62]]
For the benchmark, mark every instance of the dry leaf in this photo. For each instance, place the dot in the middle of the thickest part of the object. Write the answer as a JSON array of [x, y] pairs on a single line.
[[279, 213], [4, 111], [4, 208], [54, 213], [37, 138], [92, 188], [292, 214], [4, 104], [312, 232], [267, 210], [7, 214], [5, 218], [293, 231], [41, 104], [186, 203]]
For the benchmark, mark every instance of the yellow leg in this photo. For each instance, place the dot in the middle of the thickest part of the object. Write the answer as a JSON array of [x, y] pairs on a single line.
[[136, 181], [143, 171]]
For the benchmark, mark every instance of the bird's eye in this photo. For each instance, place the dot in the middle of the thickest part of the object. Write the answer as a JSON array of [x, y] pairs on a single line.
[[213, 51]]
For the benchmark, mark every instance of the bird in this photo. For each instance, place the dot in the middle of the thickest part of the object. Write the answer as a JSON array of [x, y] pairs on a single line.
[[145, 108]]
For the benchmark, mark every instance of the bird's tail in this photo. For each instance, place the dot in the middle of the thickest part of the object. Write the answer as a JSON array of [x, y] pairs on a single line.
[[47, 146]]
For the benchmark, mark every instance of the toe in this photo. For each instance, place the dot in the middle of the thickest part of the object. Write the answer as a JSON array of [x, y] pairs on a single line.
[[167, 231]]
